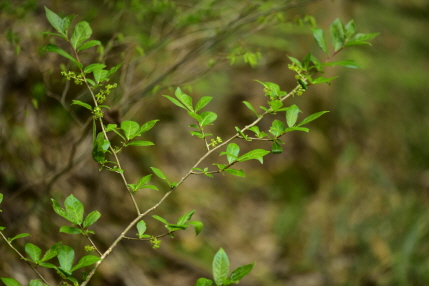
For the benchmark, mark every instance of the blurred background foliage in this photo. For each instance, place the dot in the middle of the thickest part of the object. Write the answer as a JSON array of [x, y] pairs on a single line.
[[345, 204]]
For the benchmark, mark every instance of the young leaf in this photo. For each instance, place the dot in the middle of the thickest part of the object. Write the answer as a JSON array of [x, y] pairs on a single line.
[[322, 79], [70, 230], [55, 21], [347, 63], [140, 143], [275, 105], [152, 187], [204, 282], [66, 257], [52, 252], [256, 154], [160, 219], [185, 218], [251, 108], [289, 129], [35, 282], [350, 29], [58, 50], [18, 236], [197, 225], [33, 251], [147, 126], [130, 129], [295, 61], [101, 145], [202, 102], [233, 149], [184, 99], [141, 228], [1, 198], [276, 149], [82, 31], [85, 261], [88, 45], [337, 34], [11, 281], [235, 172], [319, 36], [175, 101], [74, 209], [361, 39], [277, 128], [114, 69], [143, 181], [159, 173], [311, 117], [93, 67], [86, 105], [240, 272], [58, 209], [220, 267], [292, 115], [91, 218], [207, 118], [100, 75]]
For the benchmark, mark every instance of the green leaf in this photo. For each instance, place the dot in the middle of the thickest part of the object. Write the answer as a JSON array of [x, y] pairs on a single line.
[[93, 67], [143, 181], [74, 209], [18, 236], [234, 150], [147, 126], [311, 117], [58, 50], [1, 198], [276, 149], [277, 128], [10, 281], [152, 187], [175, 101], [35, 282], [256, 154], [86, 261], [78, 102], [202, 102], [295, 61], [58, 209], [100, 75], [67, 21], [204, 282], [319, 36], [141, 228], [337, 34], [55, 21], [292, 115], [347, 63], [160, 219], [88, 45], [297, 129], [159, 173], [235, 172], [350, 29], [33, 251], [207, 118], [52, 252], [185, 99], [82, 31], [185, 218], [361, 39], [71, 230], [91, 218], [66, 257], [322, 79], [220, 267], [130, 129], [111, 127], [114, 69], [275, 105], [240, 272], [101, 145], [197, 225], [251, 108], [47, 265], [140, 143]]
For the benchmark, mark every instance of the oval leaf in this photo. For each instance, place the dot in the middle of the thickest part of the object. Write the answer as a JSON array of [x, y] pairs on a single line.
[[220, 267]]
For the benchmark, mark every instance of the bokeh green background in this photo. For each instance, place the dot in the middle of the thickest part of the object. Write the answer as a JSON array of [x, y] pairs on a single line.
[[345, 204]]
